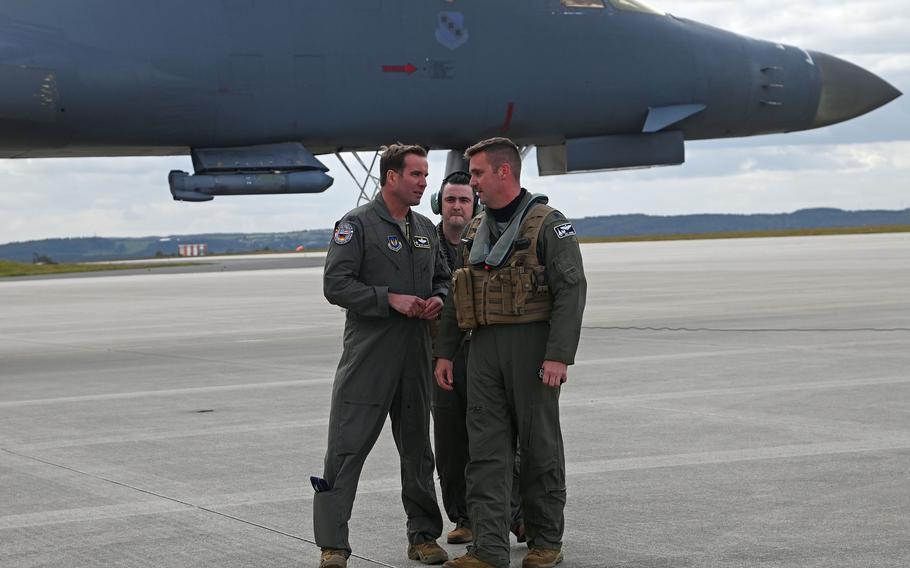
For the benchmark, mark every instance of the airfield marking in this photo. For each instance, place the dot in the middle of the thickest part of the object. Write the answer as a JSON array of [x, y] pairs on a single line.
[[193, 433], [736, 456], [816, 385], [177, 501], [82, 514], [808, 386], [166, 392], [386, 485], [755, 330]]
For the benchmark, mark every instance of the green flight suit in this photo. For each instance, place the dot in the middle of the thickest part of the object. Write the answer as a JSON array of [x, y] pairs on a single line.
[[450, 431], [506, 396], [385, 366]]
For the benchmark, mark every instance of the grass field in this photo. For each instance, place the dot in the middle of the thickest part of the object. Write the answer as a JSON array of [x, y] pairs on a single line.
[[9, 268], [752, 234]]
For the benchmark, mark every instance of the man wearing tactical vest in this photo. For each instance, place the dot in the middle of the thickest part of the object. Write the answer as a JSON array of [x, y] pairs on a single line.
[[522, 294], [456, 203]]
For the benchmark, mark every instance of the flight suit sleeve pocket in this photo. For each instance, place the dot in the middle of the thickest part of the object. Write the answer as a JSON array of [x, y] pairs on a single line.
[[566, 270]]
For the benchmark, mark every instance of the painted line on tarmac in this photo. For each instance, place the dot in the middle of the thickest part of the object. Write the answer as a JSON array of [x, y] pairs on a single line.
[[754, 330], [86, 514], [735, 391], [186, 504], [166, 392], [737, 456], [182, 434]]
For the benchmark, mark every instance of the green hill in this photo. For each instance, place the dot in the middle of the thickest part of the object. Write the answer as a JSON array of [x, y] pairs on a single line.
[[92, 249]]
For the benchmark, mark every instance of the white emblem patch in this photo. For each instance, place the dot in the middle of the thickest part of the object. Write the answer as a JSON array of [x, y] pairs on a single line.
[[564, 230], [394, 243], [421, 242], [343, 233]]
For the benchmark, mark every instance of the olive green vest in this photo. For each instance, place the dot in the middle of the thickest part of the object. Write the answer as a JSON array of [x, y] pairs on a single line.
[[516, 292]]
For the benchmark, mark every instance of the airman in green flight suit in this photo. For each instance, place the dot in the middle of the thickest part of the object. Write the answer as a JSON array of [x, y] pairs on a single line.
[[385, 268], [522, 293]]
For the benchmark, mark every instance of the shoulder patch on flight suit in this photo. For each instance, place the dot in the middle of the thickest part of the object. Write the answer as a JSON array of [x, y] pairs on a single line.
[[564, 230], [394, 243], [421, 242], [343, 233]]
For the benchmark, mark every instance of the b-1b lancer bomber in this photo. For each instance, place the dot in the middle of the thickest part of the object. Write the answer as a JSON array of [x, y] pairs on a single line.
[[254, 90]]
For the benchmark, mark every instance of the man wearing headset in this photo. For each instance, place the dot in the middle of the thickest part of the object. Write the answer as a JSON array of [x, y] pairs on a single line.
[[457, 204]]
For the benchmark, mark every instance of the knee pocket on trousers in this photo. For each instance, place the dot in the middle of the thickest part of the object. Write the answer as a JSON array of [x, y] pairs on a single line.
[[485, 429], [543, 452], [355, 425]]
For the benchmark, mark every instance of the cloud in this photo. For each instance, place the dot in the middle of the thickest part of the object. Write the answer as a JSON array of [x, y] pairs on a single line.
[[836, 27], [742, 180]]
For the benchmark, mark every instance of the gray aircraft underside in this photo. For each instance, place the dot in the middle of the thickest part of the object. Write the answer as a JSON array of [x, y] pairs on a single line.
[[254, 89]]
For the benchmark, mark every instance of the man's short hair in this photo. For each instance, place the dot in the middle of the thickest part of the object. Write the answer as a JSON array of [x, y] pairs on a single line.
[[499, 151], [392, 158], [455, 178]]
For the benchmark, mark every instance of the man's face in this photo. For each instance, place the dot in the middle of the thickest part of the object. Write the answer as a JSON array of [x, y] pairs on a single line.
[[486, 181], [457, 205], [409, 185]]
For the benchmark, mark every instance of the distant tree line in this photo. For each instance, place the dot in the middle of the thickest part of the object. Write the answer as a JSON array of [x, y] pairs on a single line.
[[91, 249]]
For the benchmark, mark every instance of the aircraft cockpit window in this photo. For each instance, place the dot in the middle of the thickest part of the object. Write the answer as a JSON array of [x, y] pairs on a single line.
[[583, 3], [635, 6]]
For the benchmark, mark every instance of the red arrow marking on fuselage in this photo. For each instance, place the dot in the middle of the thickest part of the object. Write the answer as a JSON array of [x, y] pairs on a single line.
[[399, 69]]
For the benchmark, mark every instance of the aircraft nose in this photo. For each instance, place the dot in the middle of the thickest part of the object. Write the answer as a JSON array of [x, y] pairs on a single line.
[[847, 90]]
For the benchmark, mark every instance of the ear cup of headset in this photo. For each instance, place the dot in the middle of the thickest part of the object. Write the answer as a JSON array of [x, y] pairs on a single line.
[[436, 202]]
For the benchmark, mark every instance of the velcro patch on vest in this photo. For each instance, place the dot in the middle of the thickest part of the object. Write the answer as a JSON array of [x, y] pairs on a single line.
[[564, 230], [343, 233], [394, 243], [421, 242]]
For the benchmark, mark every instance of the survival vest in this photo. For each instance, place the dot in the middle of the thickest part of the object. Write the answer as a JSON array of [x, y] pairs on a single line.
[[516, 292]]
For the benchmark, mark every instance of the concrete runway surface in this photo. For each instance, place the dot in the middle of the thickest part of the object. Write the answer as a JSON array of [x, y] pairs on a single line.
[[736, 403]]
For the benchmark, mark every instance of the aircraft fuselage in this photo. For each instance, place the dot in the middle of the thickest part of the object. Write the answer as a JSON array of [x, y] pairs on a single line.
[[107, 77]]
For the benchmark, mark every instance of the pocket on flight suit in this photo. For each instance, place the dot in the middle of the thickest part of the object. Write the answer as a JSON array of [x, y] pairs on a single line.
[[356, 425], [544, 442]]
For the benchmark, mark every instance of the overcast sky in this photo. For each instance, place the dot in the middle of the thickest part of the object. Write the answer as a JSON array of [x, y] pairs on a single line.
[[861, 164]]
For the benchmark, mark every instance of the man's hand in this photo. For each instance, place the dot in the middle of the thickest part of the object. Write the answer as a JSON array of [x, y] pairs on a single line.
[[555, 373], [431, 308], [443, 373], [410, 306]]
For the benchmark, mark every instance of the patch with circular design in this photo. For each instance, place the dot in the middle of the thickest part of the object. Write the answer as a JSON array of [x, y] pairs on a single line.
[[344, 232]]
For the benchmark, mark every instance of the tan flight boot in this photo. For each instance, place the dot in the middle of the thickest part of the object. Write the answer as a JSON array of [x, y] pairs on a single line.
[[542, 558], [428, 553], [333, 558], [460, 535], [467, 561]]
